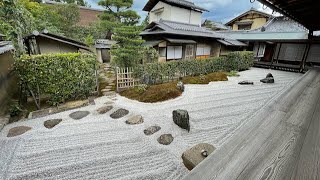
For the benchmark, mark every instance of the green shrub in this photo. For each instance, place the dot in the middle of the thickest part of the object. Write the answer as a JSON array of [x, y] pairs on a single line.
[[60, 76], [163, 72]]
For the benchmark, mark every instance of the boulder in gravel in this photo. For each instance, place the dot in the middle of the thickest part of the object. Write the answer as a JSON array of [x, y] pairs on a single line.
[[180, 86], [195, 155], [119, 113], [267, 80], [151, 130], [104, 109], [135, 120], [269, 75], [246, 83], [181, 118], [165, 139], [79, 114], [16, 131], [51, 123]]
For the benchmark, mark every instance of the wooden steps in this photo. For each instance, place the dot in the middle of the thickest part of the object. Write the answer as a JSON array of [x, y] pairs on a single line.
[[281, 141]]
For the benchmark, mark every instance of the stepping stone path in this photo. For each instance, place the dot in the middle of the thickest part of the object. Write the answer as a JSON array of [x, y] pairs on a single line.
[[195, 155], [79, 114], [119, 113], [135, 120], [104, 109], [16, 131], [165, 139], [51, 123], [108, 76], [151, 130]]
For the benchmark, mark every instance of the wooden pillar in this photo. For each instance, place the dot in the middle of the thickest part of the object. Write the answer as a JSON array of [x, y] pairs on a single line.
[[305, 57]]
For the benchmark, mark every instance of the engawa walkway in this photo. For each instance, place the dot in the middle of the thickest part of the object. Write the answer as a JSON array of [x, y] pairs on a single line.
[[282, 141]]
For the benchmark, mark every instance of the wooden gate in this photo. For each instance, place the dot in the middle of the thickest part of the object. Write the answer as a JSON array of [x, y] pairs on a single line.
[[125, 78]]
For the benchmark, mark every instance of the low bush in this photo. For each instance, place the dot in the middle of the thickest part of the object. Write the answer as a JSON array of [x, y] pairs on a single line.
[[164, 72], [61, 77], [205, 79]]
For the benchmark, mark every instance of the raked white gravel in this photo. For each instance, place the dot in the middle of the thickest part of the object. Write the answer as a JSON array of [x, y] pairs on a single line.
[[99, 147]]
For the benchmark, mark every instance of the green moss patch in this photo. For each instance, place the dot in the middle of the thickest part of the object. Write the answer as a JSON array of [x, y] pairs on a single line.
[[205, 79]]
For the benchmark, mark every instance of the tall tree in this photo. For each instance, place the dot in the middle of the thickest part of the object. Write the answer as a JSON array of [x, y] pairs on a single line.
[[128, 52], [15, 22], [118, 11]]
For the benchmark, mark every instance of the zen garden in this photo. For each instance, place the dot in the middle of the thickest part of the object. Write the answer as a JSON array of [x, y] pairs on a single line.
[[101, 93]]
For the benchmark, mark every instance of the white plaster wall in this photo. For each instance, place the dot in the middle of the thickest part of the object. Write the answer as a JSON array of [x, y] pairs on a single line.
[[165, 15], [176, 14]]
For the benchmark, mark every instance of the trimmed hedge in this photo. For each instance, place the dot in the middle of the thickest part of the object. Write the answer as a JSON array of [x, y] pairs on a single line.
[[161, 72], [62, 77]]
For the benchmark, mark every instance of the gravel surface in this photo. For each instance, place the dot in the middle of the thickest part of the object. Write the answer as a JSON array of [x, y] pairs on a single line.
[[99, 147]]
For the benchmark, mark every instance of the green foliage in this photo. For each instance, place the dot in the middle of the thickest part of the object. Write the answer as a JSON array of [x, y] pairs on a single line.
[[15, 109], [61, 76], [210, 25], [150, 55], [117, 14], [160, 72], [128, 50], [89, 40], [15, 22]]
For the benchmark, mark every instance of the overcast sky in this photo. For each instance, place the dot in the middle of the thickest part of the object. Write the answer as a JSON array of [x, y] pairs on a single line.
[[220, 10]]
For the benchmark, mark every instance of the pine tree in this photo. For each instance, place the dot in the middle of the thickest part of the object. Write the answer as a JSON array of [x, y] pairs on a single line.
[[129, 50]]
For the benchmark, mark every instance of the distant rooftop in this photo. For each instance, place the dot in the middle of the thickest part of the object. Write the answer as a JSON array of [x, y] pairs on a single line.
[[180, 3], [5, 46], [248, 12], [277, 28]]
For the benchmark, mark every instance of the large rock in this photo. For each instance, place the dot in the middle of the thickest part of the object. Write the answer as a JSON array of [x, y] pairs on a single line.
[[51, 123], [135, 120], [246, 83], [267, 80], [151, 130], [180, 86], [119, 113], [195, 155], [181, 118], [104, 109], [269, 75], [79, 114], [165, 139], [16, 131]]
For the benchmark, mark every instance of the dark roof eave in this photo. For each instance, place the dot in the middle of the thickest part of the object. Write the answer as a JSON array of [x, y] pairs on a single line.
[[176, 33]]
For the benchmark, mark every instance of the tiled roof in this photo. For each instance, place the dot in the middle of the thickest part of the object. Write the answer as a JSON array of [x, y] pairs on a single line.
[[248, 12], [182, 3], [5, 46], [170, 27], [278, 28]]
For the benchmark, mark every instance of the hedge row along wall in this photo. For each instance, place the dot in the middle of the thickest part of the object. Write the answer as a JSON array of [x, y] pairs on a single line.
[[61, 77], [162, 72]]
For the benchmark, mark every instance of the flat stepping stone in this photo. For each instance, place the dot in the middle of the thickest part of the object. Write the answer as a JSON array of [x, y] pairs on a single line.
[[79, 114], [105, 90], [165, 139], [246, 83], [16, 131], [108, 87], [51, 123], [110, 93], [151, 130], [135, 120], [104, 109], [119, 113], [195, 155]]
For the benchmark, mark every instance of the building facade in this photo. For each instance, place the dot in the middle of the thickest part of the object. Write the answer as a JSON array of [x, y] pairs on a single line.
[[175, 31], [249, 20]]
